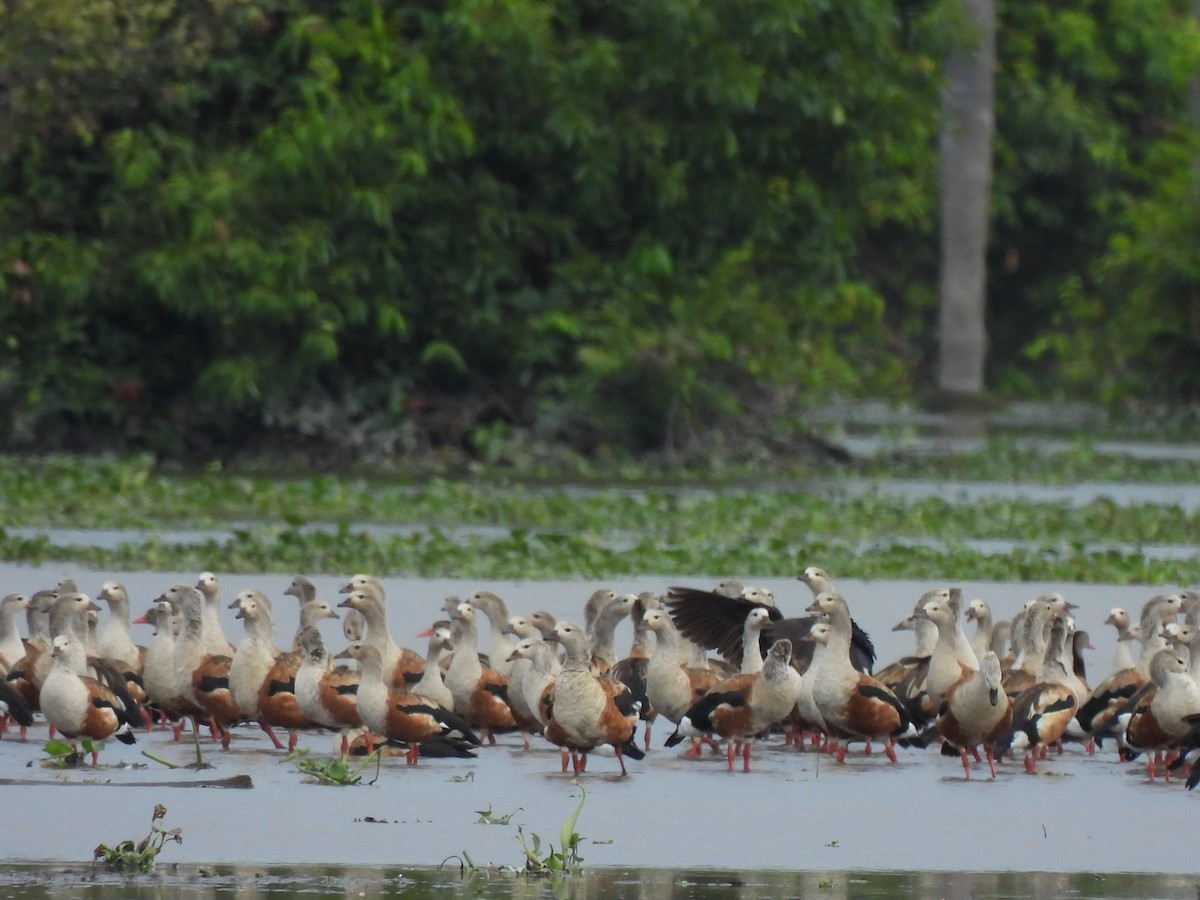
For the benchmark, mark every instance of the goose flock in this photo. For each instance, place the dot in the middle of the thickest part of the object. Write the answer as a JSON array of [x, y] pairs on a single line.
[[715, 669]]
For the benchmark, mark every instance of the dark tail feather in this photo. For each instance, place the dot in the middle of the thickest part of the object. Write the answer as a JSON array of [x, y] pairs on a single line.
[[1193, 777], [447, 748], [18, 709], [631, 749], [675, 738], [125, 735], [112, 678]]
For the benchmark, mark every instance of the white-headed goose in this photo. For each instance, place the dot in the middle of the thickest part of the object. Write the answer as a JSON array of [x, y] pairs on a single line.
[[631, 671], [950, 661], [158, 673], [1098, 714], [23, 675], [480, 695], [215, 641], [979, 612], [12, 648], [975, 711], [115, 642], [432, 683], [852, 704], [401, 666], [496, 611], [1166, 715], [544, 622], [262, 678], [672, 686], [402, 716], [79, 706], [541, 664], [907, 676], [604, 610], [327, 694], [312, 609], [201, 677], [741, 707], [585, 710], [1042, 712]]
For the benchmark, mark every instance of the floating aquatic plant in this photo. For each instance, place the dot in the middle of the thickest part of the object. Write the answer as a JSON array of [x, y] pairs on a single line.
[[61, 755], [331, 770], [566, 858], [140, 856]]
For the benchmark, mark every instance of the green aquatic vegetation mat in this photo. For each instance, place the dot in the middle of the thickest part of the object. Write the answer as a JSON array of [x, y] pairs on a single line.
[[134, 492], [478, 528], [524, 555]]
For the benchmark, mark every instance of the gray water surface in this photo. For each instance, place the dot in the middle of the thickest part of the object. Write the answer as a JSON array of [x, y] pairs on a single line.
[[794, 812]]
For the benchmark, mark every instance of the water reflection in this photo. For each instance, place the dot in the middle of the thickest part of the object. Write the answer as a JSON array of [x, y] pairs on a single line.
[[342, 883]]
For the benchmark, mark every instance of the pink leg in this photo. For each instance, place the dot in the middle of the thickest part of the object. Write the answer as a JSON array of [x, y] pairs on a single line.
[[621, 760], [991, 758], [890, 749], [730, 753], [841, 752], [271, 734], [966, 766], [1031, 763], [746, 757]]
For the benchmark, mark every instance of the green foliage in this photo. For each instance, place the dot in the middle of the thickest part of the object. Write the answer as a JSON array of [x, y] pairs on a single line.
[[487, 817], [335, 770], [62, 755], [1095, 199], [483, 529], [613, 222], [129, 856], [565, 860]]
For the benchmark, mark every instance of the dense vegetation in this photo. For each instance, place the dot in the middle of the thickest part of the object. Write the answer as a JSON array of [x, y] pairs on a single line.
[[482, 528], [410, 226]]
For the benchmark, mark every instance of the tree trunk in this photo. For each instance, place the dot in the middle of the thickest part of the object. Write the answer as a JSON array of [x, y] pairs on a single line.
[[965, 170]]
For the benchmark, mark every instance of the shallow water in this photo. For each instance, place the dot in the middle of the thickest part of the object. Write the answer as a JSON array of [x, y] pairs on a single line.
[[332, 882], [795, 814]]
